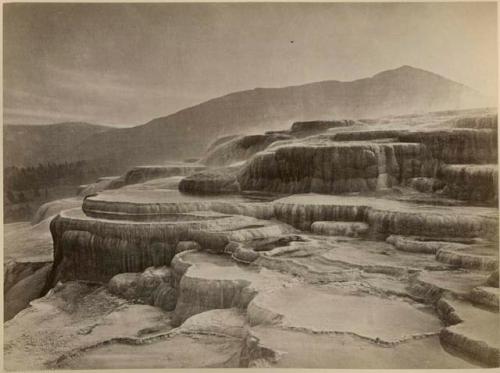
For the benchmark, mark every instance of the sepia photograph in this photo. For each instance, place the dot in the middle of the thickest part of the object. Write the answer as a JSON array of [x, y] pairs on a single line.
[[250, 185]]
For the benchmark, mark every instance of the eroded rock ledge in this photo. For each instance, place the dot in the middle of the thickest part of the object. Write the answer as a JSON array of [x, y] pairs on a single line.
[[94, 249], [333, 159], [388, 216]]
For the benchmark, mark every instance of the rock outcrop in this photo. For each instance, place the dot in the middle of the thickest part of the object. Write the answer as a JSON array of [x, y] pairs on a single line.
[[471, 182], [111, 235], [19, 295], [471, 330], [483, 257], [493, 280], [28, 255], [337, 167], [373, 159], [143, 173], [211, 182], [459, 146], [153, 287], [478, 122], [388, 216]]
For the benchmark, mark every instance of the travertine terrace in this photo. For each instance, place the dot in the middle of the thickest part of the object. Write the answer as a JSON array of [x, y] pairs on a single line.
[[334, 244]]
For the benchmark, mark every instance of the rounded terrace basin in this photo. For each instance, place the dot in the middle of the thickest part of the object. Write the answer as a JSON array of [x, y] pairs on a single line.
[[158, 204]]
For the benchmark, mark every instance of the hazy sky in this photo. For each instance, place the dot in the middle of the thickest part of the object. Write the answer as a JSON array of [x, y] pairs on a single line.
[[124, 64]]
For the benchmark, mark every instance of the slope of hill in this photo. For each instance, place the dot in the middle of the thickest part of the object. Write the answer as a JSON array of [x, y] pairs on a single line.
[[29, 145], [188, 132]]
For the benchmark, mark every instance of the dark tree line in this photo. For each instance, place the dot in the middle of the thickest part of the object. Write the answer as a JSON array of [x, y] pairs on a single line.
[[21, 182]]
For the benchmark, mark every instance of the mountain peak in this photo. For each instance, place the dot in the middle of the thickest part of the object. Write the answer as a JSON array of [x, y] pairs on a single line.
[[409, 71], [407, 67], [403, 69]]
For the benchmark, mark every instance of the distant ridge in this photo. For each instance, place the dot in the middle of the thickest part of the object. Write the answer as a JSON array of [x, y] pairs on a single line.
[[187, 133], [29, 145], [74, 125]]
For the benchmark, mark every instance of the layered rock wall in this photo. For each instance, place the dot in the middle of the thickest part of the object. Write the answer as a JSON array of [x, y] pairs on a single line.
[[460, 146], [470, 182], [336, 168], [368, 160], [96, 249], [387, 217], [477, 122]]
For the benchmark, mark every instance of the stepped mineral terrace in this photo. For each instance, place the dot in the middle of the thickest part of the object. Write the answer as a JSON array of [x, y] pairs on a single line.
[[334, 244]]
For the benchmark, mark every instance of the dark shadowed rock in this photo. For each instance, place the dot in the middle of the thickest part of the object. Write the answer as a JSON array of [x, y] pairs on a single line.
[[458, 146], [335, 167], [19, 295], [153, 286], [187, 245], [210, 182], [471, 182], [486, 296], [302, 129], [124, 285], [477, 122], [244, 255], [493, 280], [165, 297]]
